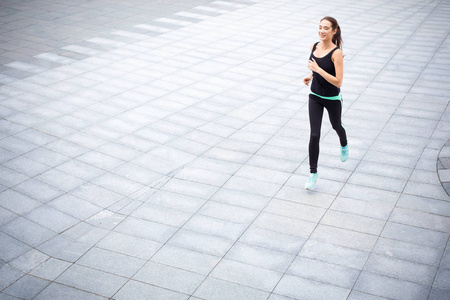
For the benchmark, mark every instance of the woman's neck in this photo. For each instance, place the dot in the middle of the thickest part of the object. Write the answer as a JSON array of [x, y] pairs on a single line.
[[327, 45]]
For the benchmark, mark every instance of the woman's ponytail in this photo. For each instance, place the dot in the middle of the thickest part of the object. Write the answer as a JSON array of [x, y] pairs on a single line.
[[337, 38]]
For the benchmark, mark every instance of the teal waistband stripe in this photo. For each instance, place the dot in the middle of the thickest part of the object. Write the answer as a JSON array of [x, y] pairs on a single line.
[[338, 97]]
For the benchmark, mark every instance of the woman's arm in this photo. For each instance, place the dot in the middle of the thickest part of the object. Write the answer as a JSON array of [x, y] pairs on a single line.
[[338, 61], [308, 78]]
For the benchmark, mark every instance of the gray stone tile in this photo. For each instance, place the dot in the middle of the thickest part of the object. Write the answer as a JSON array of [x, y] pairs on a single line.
[[200, 242], [26, 166], [38, 190], [26, 287], [118, 184], [190, 188], [136, 173], [90, 280], [283, 165], [426, 190], [27, 232], [6, 155], [343, 237], [129, 245], [49, 157], [403, 270], [111, 262], [60, 180], [300, 195], [100, 160], [138, 290], [253, 186], [353, 222], [438, 294], [399, 160], [300, 288], [10, 177], [269, 239], [445, 262], [146, 229], [442, 279], [9, 275], [105, 220], [216, 289], [408, 251], [227, 212], [96, 195], [333, 254], [295, 210], [377, 181], [369, 194], [17, 145], [323, 272], [389, 287], [74, 206], [162, 215], [240, 198], [215, 165], [260, 257], [247, 275], [17, 202], [424, 204], [175, 201], [63, 292], [6, 216], [185, 259], [285, 225], [354, 295], [51, 218], [215, 227], [7, 297], [369, 209], [203, 176], [415, 235], [420, 219], [278, 297], [11, 248], [72, 253], [170, 278], [50, 269], [29, 260], [80, 169]]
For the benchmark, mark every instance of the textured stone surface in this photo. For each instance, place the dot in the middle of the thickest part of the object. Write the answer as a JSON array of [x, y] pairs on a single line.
[[158, 150]]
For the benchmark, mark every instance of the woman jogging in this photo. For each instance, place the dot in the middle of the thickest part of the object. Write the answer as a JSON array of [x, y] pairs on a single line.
[[326, 64]]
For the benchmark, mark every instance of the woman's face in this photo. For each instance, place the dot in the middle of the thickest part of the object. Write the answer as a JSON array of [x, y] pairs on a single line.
[[326, 31]]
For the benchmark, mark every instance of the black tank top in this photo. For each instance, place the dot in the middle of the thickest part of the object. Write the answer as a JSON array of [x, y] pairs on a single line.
[[319, 85]]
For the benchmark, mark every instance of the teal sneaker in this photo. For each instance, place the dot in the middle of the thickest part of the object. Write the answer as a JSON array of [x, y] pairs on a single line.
[[309, 185], [344, 153]]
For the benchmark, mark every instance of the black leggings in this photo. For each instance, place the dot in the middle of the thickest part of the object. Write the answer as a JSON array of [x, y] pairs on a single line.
[[316, 106]]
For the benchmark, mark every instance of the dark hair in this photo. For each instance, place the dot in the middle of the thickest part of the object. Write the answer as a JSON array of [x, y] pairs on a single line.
[[337, 39]]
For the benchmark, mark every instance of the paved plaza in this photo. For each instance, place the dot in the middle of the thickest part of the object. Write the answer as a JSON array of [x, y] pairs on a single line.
[[159, 149]]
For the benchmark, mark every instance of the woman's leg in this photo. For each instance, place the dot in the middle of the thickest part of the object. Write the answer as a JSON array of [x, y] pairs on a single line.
[[334, 108], [315, 108]]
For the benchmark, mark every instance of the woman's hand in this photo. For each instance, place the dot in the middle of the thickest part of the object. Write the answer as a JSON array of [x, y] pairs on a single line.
[[313, 66], [307, 80]]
